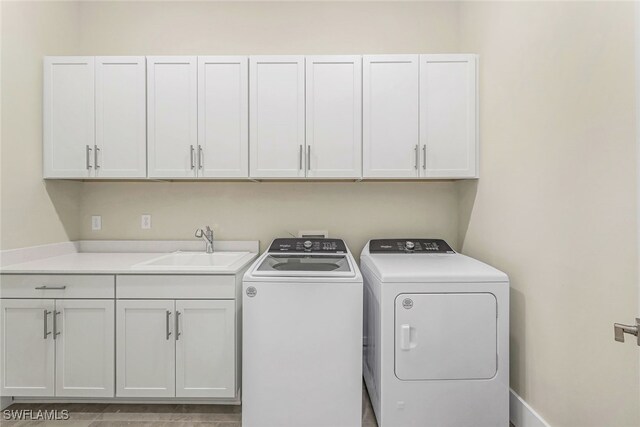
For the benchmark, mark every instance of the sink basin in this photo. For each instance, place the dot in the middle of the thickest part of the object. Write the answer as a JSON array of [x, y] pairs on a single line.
[[193, 261]]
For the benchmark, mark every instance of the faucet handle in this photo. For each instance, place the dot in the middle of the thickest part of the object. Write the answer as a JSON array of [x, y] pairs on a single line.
[[199, 233]]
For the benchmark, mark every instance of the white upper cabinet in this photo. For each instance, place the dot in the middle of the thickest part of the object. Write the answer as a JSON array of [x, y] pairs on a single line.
[[334, 117], [448, 118], [390, 116], [172, 103], [121, 136], [223, 117], [68, 112], [276, 114]]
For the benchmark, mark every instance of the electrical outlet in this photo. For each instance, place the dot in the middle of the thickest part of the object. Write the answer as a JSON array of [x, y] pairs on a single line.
[[96, 223], [145, 221]]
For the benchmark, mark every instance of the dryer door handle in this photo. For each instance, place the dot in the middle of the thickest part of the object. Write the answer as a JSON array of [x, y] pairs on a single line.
[[405, 337]]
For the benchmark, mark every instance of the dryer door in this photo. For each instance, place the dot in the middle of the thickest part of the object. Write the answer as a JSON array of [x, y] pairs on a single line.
[[445, 336]]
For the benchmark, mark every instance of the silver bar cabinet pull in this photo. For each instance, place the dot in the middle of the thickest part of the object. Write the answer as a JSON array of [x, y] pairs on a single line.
[[88, 153], [177, 325], [191, 153], [55, 324], [424, 156], [300, 164], [168, 320], [619, 330], [51, 288], [199, 156], [308, 157], [416, 153], [95, 157], [46, 327]]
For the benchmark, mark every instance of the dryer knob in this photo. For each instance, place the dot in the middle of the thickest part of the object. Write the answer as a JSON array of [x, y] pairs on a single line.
[[409, 245], [307, 244]]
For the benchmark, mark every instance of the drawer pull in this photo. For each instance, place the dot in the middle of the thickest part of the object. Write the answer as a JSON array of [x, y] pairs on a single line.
[[177, 325], [51, 288], [55, 324], [168, 321]]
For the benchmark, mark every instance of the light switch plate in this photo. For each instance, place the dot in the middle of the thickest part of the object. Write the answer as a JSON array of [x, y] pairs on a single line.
[[96, 223], [145, 221]]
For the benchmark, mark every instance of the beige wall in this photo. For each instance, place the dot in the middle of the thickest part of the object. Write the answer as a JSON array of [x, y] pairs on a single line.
[[353, 211], [32, 213], [556, 204]]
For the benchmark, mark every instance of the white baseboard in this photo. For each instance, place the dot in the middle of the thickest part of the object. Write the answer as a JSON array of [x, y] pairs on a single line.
[[523, 415], [5, 401]]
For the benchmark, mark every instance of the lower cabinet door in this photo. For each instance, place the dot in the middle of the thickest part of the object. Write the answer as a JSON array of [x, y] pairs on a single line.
[[205, 348], [145, 348], [84, 336], [27, 347]]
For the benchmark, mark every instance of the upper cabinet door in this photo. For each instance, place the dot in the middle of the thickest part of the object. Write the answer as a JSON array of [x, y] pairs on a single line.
[[276, 105], [223, 117], [121, 134], [448, 116], [68, 110], [172, 103], [334, 116], [390, 116]]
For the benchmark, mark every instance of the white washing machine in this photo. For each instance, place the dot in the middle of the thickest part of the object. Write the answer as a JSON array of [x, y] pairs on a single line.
[[436, 336], [302, 336]]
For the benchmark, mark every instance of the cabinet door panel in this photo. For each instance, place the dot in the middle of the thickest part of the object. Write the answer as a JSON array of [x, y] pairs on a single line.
[[27, 346], [121, 135], [68, 113], [276, 102], [334, 116], [205, 348], [85, 348], [448, 131], [223, 117], [145, 348], [390, 116], [172, 103]]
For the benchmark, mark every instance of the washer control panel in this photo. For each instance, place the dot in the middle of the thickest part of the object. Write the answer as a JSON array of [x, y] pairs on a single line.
[[330, 246], [410, 246]]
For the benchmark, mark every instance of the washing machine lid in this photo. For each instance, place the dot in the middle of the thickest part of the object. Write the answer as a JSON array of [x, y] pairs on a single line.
[[405, 267]]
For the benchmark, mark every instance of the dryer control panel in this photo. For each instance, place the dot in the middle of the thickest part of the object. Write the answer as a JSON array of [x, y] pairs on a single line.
[[328, 246], [410, 245]]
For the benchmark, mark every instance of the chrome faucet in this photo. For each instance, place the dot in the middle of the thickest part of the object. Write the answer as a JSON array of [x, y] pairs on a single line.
[[207, 236]]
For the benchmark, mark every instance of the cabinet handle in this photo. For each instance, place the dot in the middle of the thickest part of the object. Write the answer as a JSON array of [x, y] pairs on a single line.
[[50, 288], [300, 165], [416, 152], [55, 324], [46, 327], [177, 325], [95, 157], [424, 156], [88, 153], [199, 156], [168, 320], [308, 157], [192, 152]]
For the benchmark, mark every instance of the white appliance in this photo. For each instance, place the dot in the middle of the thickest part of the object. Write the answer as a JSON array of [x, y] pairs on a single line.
[[436, 337], [302, 336]]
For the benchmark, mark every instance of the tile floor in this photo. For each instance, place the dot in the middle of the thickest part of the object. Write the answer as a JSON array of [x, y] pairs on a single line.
[[116, 415]]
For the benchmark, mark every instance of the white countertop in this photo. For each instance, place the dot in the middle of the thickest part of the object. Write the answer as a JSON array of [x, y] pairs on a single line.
[[116, 262]]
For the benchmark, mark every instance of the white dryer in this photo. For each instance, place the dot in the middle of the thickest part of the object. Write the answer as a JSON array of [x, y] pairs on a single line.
[[302, 336], [436, 336]]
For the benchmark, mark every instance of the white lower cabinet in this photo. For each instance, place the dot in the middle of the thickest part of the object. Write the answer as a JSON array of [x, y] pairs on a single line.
[[145, 348], [27, 347], [57, 347], [175, 348]]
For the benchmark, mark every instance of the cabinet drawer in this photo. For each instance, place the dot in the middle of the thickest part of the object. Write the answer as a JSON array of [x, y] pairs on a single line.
[[56, 286], [175, 287]]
